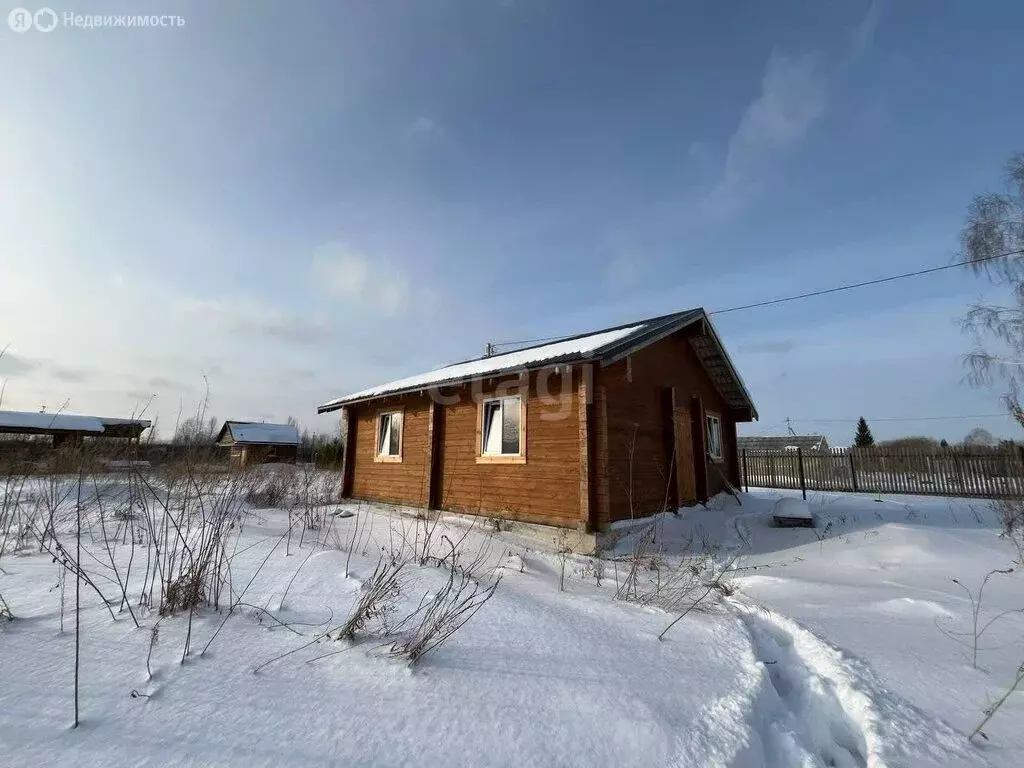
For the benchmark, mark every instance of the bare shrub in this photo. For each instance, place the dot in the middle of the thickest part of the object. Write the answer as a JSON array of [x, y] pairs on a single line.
[[693, 579], [628, 587], [315, 493], [192, 520], [154, 640], [979, 625], [269, 488], [12, 525], [376, 601], [1011, 519], [450, 609], [705, 586], [454, 558], [563, 552]]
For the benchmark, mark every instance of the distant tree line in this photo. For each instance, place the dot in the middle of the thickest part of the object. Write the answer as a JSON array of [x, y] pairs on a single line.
[[979, 437]]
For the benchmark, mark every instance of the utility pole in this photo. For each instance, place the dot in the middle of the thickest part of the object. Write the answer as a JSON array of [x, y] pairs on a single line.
[[789, 426], [489, 349]]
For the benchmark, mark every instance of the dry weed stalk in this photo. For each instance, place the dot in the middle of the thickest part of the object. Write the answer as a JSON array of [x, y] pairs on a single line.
[[990, 711]]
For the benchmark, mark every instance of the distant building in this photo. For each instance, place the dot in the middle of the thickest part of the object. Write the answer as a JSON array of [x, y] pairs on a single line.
[[806, 443], [259, 443], [69, 428]]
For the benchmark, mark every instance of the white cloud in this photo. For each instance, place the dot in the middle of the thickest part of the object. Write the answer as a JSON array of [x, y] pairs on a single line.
[[393, 295], [349, 274], [341, 270], [245, 315], [794, 94], [423, 128]]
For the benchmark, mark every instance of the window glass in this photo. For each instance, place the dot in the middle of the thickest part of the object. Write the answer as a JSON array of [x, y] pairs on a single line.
[[394, 444], [714, 437], [510, 426], [501, 427], [389, 434], [492, 427]]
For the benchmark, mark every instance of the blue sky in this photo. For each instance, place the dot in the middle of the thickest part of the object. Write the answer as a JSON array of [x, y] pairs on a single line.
[[298, 203]]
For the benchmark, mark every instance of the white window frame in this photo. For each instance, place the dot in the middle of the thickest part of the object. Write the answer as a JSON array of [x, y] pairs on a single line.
[[378, 452], [716, 420], [485, 457]]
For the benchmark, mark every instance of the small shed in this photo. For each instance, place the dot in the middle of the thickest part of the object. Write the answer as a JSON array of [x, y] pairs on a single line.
[[259, 443]]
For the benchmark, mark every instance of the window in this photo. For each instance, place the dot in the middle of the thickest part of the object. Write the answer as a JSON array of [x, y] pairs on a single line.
[[389, 436], [714, 436], [502, 428]]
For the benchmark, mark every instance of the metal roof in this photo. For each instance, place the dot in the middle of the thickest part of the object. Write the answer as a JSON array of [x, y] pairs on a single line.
[[260, 433], [605, 346]]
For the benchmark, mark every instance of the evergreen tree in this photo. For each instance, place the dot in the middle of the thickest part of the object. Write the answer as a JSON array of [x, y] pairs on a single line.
[[863, 438]]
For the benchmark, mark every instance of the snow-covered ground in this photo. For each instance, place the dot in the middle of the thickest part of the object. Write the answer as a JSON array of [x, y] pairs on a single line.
[[830, 651]]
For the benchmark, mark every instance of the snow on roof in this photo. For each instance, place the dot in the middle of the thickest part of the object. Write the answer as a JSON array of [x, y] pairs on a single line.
[[579, 348], [782, 442], [257, 432], [61, 422], [58, 421]]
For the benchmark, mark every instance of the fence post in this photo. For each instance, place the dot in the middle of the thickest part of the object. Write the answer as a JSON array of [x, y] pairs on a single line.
[[853, 470], [1017, 485], [959, 474], [746, 476], [800, 463]]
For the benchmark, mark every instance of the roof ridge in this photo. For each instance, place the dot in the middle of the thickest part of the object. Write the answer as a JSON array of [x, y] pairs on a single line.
[[574, 337]]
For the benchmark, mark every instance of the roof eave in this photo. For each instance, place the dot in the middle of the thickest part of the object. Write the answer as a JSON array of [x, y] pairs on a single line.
[[573, 359], [732, 368]]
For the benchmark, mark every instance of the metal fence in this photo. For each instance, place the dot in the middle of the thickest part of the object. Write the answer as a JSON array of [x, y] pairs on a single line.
[[984, 473]]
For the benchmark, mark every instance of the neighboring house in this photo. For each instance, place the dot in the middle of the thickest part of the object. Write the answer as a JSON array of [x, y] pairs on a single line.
[[259, 443], [807, 443], [68, 428], [577, 433]]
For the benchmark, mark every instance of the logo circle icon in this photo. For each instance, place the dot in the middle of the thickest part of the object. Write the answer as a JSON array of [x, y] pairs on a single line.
[[20, 20], [45, 19]]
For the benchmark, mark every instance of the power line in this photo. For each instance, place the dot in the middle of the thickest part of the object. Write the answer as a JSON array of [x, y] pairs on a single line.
[[866, 283], [903, 418], [528, 341], [811, 294]]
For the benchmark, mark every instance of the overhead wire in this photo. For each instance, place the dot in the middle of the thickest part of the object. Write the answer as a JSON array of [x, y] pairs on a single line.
[[811, 294]]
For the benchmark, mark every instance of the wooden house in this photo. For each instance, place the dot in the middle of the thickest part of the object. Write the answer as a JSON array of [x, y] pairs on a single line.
[[259, 443], [577, 433]]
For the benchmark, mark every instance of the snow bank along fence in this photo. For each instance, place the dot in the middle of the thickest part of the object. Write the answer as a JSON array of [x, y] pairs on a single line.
[[978, 472]]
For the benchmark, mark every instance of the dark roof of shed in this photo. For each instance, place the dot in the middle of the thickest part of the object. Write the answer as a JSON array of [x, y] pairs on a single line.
[[260, 433], [605, 346]]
